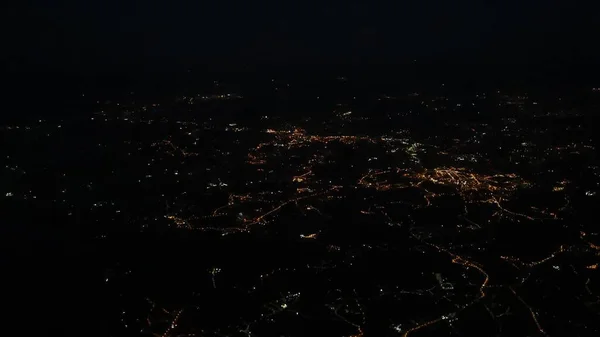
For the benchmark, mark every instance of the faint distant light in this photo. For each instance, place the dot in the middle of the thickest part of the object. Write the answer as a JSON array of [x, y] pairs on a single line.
[[590, 193], [9, 194]]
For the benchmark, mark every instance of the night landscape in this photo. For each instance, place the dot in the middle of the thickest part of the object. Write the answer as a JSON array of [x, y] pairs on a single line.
[[425, 171]]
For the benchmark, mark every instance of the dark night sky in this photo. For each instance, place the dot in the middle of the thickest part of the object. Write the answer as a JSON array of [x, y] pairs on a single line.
[[98, 35]]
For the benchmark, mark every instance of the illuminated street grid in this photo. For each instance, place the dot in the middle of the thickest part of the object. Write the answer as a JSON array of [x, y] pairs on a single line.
[[388, 233]]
